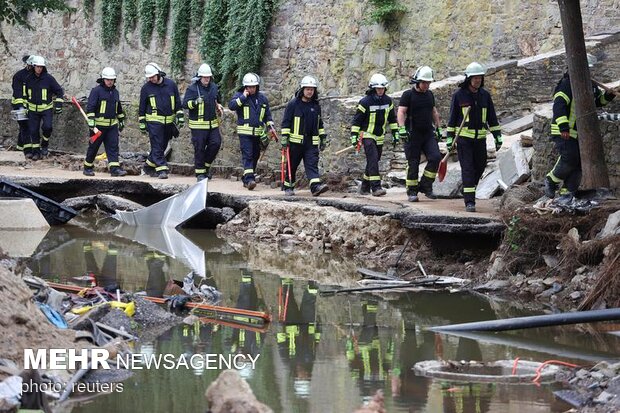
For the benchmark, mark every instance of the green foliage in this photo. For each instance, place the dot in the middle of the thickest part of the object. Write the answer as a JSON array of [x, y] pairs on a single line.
[[130, 15], [110, 21], [89, 8], [15, 12], [146, 9], [161, 18], [180, 32], [197, 10], [213, 37], [514, 234], [386, 12]]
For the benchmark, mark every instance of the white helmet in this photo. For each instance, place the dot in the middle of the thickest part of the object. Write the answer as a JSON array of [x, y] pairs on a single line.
[[108, 73], [29, 60], [152, 69], [424, 74], [475, 69], [378, 81], [251, 79], [308, 81], [37, 61], [204, 70], [592, 60]]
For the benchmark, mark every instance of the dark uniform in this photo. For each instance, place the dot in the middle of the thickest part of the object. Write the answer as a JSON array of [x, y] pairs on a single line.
[[19, 101], [419, 125], [104, 111], [472, 147], [253, 116], [302, 128], [40, 104], [372, 116], [568, 166], [160, 106], [203, 124]]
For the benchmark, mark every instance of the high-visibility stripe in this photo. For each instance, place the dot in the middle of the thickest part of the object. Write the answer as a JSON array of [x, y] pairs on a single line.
[[249, 130], [102, 106], [32, 107], [361, 108], [246, 113], [172, 102], [429, 174], [262, 113], [248, 171], [105, 122], [203, 124], [154, 117], [411, 182], [200, 171], [43, 95], [469, 190], [315, 180], [563, 96]]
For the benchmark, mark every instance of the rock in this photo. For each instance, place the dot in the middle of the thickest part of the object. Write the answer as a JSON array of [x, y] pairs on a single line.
[[603, 398], [236, 222], [550, 260], [612, 226], [230, 393], [513, 165], [582, 374], [370, 244], [190, 319], [573, 234], [575, 295], [597, 375], [555, 288], [578, 279], [288, 230], [493, 285], [488, 186], [549, 281]]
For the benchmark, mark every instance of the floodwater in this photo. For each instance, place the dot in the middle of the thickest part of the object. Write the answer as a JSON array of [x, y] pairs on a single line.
[[320, 353]]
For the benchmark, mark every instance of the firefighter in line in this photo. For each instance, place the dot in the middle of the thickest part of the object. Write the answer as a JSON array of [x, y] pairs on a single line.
[[564, 135], [44, 95], [303, 135], [374, 112], [159, 114], [472, 147], [104, 111], [19, 101], [254, 123], [418, 121], [202, 98]]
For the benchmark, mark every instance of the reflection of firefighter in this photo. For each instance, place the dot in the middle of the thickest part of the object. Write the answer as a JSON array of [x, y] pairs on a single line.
[[299, 334], [156, 283], [369, 361], [242, 341], [106, 276], [472, 397]]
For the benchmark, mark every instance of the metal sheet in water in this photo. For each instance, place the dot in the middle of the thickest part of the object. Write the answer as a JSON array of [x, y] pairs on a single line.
[[169, 212]]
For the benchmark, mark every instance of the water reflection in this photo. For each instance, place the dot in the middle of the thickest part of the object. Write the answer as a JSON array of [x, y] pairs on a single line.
[[321, 354]]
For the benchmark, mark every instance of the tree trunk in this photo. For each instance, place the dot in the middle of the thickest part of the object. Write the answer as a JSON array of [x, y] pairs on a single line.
[[593, 165]]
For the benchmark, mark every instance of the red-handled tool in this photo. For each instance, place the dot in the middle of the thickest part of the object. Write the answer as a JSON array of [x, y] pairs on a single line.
[[97, 134]]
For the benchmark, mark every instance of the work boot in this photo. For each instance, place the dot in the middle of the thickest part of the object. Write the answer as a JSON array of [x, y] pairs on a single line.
[[565, 199], [28, 155], [365, 188], [201, 177], [117, 171], [550, 187], [289, 192], [36, 156], [251, 184], [149, 170], [426, 187], [412, 197], [379, 192], [88, 172], [470, 207], [44, 152], [429, 194], [162, 175], [319, 189]]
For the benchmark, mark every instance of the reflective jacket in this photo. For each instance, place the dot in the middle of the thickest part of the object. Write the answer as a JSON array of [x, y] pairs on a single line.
[[159, 103], [104, 106], [253, 113], [303, 120], [40, 91], [564, 116], [20, 94], [203, 115], [481, 116], [373, 115]]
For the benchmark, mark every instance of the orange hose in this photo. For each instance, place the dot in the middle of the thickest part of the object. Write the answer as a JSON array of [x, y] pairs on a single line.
[[514, 366], [546, 363]]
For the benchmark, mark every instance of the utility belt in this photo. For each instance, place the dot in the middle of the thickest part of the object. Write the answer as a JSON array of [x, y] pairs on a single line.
[[203, 124], [250, 130]]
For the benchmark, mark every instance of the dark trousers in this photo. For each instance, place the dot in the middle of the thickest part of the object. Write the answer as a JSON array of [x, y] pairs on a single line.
[[310, 155], [568, 166], [372, 179], [23, 138], [421, 143], [207, 143], [40, 126], [159, 136], [109, 138], [473, 159], [106, 276], [250, 152]]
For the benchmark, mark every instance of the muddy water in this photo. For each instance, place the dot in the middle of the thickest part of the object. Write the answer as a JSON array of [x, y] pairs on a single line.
[[321, 353]]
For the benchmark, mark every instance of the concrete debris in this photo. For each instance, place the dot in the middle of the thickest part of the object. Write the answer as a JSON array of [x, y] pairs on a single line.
[[514, 165], [489, 186], [231, 393], [612, 226], [519, 125]]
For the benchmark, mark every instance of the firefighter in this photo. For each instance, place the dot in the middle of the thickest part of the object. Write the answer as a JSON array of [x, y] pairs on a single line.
[[105, 112], [374, 112], [472, 149], [19, 102], [41, 87], [254, 123], [564, 135], [418, 121], [303, 136], [202, 98], [159, 114]]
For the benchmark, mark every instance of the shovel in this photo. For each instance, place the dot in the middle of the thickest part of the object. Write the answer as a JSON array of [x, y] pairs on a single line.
[[97, 131], [443, 165]]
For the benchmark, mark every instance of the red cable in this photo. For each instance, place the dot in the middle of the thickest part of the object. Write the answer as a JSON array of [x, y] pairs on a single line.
[[514, 366], [558, 362]]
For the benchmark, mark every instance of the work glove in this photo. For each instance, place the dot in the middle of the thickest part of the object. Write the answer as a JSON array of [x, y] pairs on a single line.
[[264, 141], [403, 134], [142, 126], [284, 141], [58, 109], [395, 138], [180, 119], [121, 125], [199, 100], [354, 139], [498, 141], [324, 143], [91, 123], [450, 143], [438, 135]]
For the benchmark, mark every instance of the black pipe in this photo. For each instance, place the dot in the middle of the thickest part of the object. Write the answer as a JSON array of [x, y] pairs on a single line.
[[535, 321]]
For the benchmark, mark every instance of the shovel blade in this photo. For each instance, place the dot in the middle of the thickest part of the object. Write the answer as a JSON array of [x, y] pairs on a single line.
[[96, 136], [443, 169]]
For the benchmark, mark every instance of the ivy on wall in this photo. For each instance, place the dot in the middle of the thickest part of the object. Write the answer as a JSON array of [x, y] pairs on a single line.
[[214, 35], [386, 12], [146, 10], [181, 10], [161, 18], [111, 20], [197, 10], [130, 16], [89, 8]]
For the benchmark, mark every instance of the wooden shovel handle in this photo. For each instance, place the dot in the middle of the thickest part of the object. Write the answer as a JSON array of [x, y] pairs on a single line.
[[458, 133], [606, 88]]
